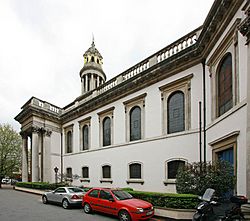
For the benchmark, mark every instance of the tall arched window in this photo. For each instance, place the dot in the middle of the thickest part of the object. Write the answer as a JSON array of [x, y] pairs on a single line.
[[135, 171], [85, 137], [135, 123], [225, 92], [176, 112], [106, 131], [69, 142]]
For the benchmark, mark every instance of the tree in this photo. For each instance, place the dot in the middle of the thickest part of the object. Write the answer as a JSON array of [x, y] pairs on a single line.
[[195, 178], [10, 151]]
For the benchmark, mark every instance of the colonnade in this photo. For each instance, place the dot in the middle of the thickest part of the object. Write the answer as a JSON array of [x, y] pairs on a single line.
[[90, 82], [37, 161]]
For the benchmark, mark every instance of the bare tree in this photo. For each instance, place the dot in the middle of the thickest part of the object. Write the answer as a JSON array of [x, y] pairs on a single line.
[[10, 151]]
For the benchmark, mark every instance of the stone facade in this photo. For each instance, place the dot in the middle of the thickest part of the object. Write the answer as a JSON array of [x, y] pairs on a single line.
[[135, 128]]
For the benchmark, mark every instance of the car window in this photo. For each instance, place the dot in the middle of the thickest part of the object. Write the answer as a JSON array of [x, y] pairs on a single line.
[[75, 190], [94, 193], [104, 194], [121, 195], [60, 190]]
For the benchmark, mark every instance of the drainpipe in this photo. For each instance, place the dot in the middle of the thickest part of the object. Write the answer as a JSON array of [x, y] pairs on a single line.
[[204, 107]]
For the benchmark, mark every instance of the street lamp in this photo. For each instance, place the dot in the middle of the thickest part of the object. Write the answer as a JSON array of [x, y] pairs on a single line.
[[56, 171]]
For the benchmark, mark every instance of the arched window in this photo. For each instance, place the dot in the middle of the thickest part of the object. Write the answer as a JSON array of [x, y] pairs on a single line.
[[176, 112], [106, 131], [85, 172], [92, 59], [225, 92], [69, 142], [85, 137], [135, 171], [173, 167], [106, 172], [135, 123]]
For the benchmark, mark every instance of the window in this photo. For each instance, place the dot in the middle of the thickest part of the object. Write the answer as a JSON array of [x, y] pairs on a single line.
[[106, 131], [85, 136], [173, 167], [84, 127], [106, 172], [69, 172], [135, 123], [104, 194], [224, 82], [176, 105], [68, 134], [92, 59], [134, 114], [60, 190], [69, 142], [135, 171], [85, 172], [176, 112], [106, 127], [94, 193]]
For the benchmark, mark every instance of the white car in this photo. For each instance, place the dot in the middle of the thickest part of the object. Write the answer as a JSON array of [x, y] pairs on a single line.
[[6, 181], [65, 196]]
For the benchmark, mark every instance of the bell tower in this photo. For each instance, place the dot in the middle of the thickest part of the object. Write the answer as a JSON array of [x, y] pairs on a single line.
[[92, 75]]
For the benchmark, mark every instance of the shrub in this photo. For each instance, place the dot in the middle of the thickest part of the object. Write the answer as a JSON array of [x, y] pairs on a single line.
[[167, 200], [40, 185], [195, 178]]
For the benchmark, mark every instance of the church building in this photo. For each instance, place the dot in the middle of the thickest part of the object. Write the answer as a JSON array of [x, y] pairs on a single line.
[[136, 129]]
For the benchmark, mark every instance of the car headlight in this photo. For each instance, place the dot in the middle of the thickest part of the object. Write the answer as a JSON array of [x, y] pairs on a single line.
[[152, 207], [140, 210]]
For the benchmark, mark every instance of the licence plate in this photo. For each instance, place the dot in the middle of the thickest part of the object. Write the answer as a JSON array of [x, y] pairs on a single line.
[[149, 213]]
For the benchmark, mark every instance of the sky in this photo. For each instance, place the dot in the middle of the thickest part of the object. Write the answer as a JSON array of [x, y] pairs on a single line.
[[42, 42]]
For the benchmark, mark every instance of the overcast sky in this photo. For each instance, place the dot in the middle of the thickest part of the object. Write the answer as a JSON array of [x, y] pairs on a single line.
[[42, 42]]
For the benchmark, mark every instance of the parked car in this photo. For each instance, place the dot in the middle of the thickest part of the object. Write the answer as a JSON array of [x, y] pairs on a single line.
[[6, 181], [117, 202], [65, 196]]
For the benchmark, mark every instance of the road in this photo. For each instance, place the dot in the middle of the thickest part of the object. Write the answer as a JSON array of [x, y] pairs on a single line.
[[22, 206]]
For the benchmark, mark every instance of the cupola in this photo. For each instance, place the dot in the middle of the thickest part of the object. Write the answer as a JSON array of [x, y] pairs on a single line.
[[92, 75]]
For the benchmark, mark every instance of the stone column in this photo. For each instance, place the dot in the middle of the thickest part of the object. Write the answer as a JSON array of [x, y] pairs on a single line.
[[92, 82], [82, 85], [25, 158], [47, 176], [35, 155], [86, 83], [98, 81]]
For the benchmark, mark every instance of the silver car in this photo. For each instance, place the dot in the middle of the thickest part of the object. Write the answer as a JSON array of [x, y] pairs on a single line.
[[65, 196]]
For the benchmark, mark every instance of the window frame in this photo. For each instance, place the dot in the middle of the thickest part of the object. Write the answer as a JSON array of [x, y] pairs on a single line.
[[102, 115], [69, 175], [82, 124], [128, 106], [183, 85], [135, 180], [167, 180], [106, 180], [85, 179], [66, 131]]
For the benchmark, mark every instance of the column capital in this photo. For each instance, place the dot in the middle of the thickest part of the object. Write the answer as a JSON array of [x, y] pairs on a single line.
[[24, 134], [35, 129], [244, 27], [48, 133]]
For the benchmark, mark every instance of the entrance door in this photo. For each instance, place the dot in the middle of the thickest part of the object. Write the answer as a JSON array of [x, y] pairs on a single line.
[[227, 155]]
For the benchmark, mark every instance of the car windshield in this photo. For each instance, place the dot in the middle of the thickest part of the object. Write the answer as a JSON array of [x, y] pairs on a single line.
[[121, 195], [75, 190]]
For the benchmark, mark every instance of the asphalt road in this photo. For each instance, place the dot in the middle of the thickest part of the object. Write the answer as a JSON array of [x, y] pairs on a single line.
[[15, 205]]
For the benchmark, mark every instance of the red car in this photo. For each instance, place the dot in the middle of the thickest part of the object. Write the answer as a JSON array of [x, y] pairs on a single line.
[[117, 202]]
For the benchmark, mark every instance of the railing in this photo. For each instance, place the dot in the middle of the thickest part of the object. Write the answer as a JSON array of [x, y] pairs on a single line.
[[45, 105]]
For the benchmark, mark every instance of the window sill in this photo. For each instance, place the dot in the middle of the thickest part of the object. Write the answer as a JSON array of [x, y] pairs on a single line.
[[85, 180], [106, 181], [170, 181], [135, 181]]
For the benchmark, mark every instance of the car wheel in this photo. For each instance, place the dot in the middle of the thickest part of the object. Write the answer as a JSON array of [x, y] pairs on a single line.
[[65, 204], [44, 199], [87, 208], [124, 216]]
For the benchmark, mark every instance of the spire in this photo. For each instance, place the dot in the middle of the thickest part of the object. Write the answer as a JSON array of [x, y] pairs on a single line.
[[93, 41]]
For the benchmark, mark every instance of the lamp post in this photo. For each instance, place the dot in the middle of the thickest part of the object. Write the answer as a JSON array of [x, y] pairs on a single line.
[[56, 171]]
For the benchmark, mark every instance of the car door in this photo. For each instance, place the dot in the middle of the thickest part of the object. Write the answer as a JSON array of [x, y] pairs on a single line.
[[58, 194], [93, 199], [106, 202]]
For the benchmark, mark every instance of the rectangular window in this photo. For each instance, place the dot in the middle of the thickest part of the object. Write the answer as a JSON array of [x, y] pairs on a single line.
[[85, 172], [69, 172]]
